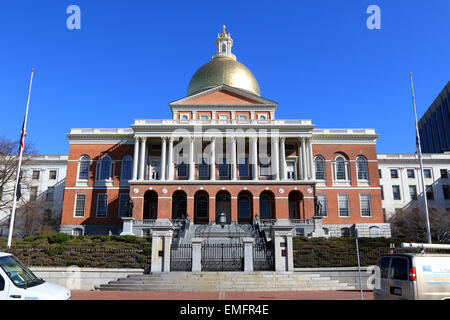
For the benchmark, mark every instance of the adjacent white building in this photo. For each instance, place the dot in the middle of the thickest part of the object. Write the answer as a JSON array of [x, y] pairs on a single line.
[[401, 184], [44, 178]]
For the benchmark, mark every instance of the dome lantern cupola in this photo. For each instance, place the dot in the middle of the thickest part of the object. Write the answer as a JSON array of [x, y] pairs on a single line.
[[223, 69], [224, 44]]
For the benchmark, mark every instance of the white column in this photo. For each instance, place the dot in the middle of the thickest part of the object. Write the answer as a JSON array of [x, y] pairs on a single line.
[[233, 159], [283, 173], [163, 158], [142, 158], [212, 160], [170, 160], [275, 153], [191, 159], [136, 158], [254, 143], [311, 160], [302, 141]]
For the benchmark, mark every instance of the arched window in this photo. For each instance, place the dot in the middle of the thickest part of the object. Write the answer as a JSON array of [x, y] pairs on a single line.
[[105, 168], [224, 48], [83, 173], [244, 207], [265, 206], [361, 164], [340, 169], [127, 165], [320, 168], [374, 232], [202, 207]]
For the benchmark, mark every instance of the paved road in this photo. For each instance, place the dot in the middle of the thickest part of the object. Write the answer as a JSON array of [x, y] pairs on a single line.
[[274, 295]]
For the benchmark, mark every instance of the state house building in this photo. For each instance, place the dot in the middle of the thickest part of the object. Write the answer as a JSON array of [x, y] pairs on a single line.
[[224, 152]]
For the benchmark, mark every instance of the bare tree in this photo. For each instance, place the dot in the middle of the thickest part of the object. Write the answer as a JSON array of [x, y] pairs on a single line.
[[8, 171], [410, 223]]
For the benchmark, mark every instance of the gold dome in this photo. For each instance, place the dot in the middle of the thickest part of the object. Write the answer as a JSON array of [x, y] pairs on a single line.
[[223, 69]]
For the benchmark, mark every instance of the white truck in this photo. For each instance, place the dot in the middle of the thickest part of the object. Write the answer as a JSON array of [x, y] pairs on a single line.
[[17, 282], [414, 276]]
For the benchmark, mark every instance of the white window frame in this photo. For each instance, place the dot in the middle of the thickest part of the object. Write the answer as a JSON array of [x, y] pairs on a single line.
[[265, 166], [123, 179], [47, 193], [75, 206], [80, 229], [83, 182], [185, 115], [56, 175], [294, 161], [370, 205], [362, 182], [339, 206], [247, 164], [110, 180], [122, 195], [184, 162], [106, 208], [324, 208], [341, 182], [223, 118], [324, 169]]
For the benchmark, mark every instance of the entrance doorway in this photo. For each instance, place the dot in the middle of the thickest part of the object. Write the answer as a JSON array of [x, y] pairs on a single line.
[[201, 207], [223, 204], [179, 205], [245, 208], [150, 205]]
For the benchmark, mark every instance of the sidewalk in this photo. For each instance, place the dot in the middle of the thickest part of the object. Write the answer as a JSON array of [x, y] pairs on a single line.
[[273, 295]]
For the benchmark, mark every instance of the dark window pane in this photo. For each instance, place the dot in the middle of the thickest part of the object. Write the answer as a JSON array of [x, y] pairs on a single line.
[[399, 269]]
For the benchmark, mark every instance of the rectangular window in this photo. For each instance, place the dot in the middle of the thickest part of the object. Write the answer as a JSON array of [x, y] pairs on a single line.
[[80, 202], [364, 200], [35, 175], [396, 192], [413, 192], [322, 198], [394, 173], [102, 205], [446, 191], [410, 173], [379, 174], [242, 117], [382, 192], [52, 175], [444, 173], [33, 193], [343, 205], [123, 202], [223, 118], [427, 173], [50, 194], [203, 169], [243, 167], [264, 167], [430, 194], [223, 168], [204, 117], [182, 169]]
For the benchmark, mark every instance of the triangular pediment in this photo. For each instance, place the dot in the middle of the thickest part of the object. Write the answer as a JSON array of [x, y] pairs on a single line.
[[223, 95]]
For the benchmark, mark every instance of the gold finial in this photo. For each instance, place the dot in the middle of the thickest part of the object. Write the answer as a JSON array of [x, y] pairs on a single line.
[[223, 34]]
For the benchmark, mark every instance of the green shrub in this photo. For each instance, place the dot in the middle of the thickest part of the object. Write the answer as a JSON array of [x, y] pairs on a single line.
[[59, 238], [56, 250], [128, 239]]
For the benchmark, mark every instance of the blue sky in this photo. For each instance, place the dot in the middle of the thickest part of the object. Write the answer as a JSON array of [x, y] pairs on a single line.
[[317, 59]]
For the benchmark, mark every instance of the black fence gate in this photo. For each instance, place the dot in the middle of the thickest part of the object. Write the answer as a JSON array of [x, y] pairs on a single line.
[[263, 257], [181, 257], [223, 257]]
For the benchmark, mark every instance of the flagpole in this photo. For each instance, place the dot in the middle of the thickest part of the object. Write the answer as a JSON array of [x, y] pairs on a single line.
[[21, 143], [419, 152]]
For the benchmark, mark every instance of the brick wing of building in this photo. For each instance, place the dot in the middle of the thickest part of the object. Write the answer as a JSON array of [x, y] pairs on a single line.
[[223, 152]]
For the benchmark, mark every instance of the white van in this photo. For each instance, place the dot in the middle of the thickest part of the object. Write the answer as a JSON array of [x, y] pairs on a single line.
[[413, 276], [17, 282]]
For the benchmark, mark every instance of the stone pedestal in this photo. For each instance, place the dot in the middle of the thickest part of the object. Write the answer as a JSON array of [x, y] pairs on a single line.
[[282, 240], [248, 254], [162, 232], [127, 229], [197, 254], [318, 229]]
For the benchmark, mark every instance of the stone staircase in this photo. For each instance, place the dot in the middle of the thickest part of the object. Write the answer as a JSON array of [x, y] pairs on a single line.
[[225, 281]]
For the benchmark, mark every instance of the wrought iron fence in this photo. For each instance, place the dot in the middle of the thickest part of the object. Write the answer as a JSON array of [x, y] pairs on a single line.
[[263, 257], [222, 257], [181, 257], [62, 256]]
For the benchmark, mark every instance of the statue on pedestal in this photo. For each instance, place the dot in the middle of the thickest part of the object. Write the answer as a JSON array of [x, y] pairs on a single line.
[[317, 207], [130, 206]]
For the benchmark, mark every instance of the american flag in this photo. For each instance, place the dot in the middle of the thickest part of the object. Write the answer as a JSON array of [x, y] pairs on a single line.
[[23, 134]]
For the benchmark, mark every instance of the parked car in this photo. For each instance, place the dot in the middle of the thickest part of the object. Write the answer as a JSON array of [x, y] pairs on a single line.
[[413, 276], [17, 282]]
